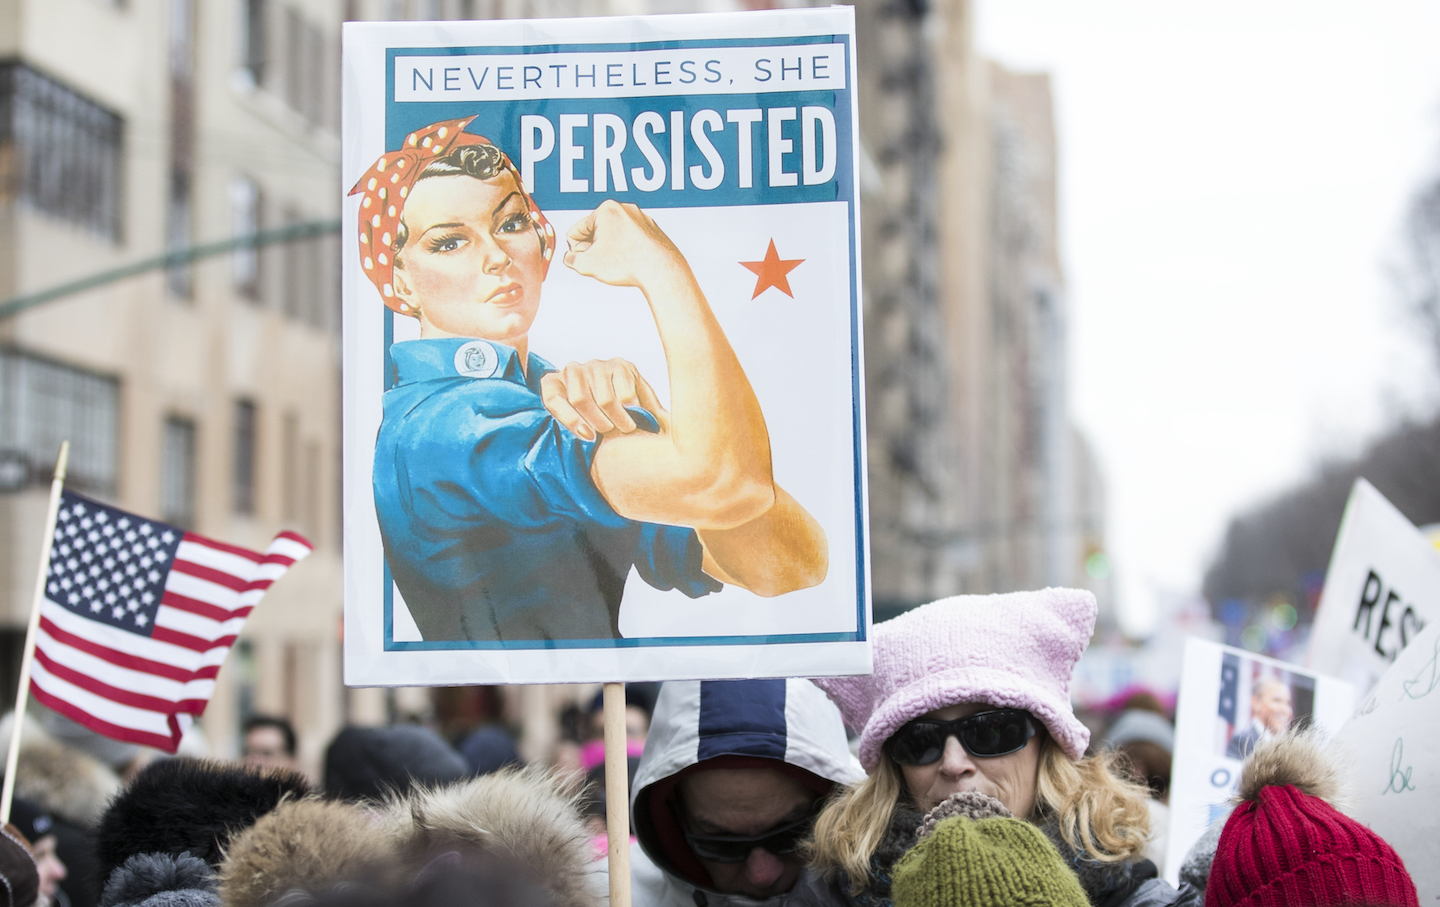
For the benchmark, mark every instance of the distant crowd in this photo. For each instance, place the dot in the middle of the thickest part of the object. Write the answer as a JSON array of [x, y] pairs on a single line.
[[957, 773]]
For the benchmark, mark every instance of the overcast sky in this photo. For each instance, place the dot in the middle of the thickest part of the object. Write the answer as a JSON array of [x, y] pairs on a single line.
[[1233, 177]]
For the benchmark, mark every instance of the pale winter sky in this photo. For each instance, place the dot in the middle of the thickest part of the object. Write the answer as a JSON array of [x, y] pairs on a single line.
[[1233, 176]]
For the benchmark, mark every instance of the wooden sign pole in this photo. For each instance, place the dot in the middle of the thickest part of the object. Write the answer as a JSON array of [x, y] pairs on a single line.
[[617, 795], [22, 695]]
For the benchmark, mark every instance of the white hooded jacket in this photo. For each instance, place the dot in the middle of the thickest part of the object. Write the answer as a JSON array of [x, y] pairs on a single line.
[[695, 721]]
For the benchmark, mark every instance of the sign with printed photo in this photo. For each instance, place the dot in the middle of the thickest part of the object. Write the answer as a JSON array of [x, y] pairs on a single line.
[[1230, 700], [603, 404]]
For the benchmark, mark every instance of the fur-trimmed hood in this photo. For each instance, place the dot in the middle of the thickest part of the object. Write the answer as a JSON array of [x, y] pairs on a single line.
[[62, 780], [309, 845], [527, 817]]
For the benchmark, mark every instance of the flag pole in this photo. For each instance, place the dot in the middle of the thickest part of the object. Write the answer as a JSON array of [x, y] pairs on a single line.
[[617, 795], [23, 693]]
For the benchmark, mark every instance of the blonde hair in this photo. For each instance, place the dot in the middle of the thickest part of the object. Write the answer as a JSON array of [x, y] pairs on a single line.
[[1096, 809], [853, 824]]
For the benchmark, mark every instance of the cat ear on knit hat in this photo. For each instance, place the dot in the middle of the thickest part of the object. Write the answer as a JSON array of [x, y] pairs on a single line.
[[1016, 650]]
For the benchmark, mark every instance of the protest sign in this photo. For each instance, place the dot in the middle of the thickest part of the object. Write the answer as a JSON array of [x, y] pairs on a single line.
[[681, 494], [1393, 770], [1382, 589], [1230, 700]]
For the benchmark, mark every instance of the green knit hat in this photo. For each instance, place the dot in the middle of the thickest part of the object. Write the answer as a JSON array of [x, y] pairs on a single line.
[[973, 854]]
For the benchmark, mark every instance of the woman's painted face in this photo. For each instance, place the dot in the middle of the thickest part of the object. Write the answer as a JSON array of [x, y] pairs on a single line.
[[1009, 779], [472, 265]]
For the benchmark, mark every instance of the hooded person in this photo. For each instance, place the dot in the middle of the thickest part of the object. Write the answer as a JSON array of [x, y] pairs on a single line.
[[732, 775], [39, 828]]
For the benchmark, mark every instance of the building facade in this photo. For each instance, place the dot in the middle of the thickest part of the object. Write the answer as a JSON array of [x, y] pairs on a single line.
[[205, 395], [979, 480]]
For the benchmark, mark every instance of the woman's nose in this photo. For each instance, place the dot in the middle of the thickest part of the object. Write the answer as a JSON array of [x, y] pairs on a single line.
[[763, 868], [955, 762], [496, 258]]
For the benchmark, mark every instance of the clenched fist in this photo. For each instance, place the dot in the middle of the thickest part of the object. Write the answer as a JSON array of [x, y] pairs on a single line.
[[620, 245]]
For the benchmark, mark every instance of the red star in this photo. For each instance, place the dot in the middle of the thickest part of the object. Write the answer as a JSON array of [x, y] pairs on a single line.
[[772, 271]]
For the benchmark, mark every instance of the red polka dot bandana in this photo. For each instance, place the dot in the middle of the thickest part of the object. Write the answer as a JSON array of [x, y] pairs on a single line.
[[386, 184]]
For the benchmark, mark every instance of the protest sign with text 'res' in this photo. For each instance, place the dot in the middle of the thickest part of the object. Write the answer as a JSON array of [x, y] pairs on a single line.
[[603, 364], [1230, 700], [1393, 748], [1381, 591]]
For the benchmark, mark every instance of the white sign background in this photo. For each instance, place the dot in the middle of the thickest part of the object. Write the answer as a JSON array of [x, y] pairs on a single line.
[[1202, 779], [797, 353], [1393, 744], [1380, 558]]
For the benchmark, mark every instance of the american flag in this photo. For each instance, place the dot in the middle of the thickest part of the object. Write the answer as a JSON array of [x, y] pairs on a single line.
[[138, 618]]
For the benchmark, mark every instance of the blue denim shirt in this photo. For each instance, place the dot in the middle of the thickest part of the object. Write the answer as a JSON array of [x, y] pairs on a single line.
[[492, 526]]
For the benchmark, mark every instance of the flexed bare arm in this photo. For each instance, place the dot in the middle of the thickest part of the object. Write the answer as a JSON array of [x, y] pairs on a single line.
[[709, 465]]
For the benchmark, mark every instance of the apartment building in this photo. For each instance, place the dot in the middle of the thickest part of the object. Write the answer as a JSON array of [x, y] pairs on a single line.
[[206, 395]]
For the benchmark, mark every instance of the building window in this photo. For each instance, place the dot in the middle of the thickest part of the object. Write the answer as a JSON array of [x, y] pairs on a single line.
[[294, 265], [252, 34], [309, 276], [290, 478], [295, 59], [177, 479], [182, 141], [295, 63], [244, 456], [59, 151], [316, 65], [311, 515], [245, 220], [43, 403]]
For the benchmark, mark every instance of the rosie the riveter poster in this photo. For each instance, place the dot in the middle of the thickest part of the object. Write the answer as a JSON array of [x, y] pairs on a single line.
[[603, 413]]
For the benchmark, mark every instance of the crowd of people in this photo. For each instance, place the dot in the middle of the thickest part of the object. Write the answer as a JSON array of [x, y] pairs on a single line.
[[965, 778]]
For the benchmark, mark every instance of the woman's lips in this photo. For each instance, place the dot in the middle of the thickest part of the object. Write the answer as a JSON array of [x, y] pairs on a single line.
[[506, 294]]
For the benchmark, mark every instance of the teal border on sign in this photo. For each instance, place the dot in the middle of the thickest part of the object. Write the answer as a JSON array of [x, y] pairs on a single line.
[[399, 126]]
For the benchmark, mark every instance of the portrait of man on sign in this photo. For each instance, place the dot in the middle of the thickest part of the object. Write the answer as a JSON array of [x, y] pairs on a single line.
[[514, 497], [1259, 701]]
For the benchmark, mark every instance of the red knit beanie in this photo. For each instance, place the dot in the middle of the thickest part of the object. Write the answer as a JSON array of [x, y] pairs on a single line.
[[1284, 846]]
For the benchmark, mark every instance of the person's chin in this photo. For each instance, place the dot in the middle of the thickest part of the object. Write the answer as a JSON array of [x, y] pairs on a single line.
[[507, 329]]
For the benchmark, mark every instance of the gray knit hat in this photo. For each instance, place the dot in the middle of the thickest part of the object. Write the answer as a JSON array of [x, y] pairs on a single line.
[[161, 880]]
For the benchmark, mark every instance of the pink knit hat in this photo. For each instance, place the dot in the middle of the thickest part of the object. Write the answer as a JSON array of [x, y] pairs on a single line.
[[1011, 651]]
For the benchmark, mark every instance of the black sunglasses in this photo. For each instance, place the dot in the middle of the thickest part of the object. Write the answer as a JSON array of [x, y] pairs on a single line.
[[997, 732], [785, 839]]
